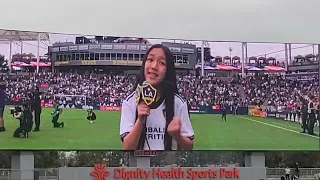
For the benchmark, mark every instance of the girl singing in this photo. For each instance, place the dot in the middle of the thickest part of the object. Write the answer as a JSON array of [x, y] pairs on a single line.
[[165, 124]]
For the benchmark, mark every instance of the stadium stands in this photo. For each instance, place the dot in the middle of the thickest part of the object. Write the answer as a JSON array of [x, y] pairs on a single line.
[[109, 90]]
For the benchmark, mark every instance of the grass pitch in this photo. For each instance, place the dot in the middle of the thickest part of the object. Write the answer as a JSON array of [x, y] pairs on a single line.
[[237, 133]]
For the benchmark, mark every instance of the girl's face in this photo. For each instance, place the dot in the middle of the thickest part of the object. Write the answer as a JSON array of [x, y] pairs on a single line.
[[155, 67]]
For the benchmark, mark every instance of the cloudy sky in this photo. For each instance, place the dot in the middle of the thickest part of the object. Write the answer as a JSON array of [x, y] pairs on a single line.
[[217, 48]]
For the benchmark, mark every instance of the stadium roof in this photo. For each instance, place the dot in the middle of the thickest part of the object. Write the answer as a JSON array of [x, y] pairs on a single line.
[[9, 35]]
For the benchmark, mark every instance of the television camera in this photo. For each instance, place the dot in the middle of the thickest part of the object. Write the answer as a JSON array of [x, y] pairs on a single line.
[[25, 103]]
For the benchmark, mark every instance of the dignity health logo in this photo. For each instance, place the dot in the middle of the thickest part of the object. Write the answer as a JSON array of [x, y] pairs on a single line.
[[100, 172]]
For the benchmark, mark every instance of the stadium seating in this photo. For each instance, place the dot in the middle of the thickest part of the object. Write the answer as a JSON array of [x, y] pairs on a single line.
[[109, 90]]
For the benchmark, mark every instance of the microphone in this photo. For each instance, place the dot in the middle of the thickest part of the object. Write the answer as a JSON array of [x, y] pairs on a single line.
[[147, 93]]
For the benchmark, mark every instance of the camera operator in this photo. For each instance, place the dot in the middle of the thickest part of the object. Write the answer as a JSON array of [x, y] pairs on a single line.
[[36, 106], [2, 105], [24, 115], [91, 115]]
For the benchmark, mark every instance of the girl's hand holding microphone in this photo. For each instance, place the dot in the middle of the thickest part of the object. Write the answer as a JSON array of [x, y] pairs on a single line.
[[143, 111]]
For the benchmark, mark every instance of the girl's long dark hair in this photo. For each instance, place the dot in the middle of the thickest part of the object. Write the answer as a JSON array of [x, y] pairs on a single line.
[[169, 86]]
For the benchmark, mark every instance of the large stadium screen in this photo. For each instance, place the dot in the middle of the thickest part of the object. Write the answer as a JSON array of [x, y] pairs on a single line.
[[118, 93]]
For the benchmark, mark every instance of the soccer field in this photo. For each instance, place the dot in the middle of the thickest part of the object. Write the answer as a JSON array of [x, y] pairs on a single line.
[[238, 133]]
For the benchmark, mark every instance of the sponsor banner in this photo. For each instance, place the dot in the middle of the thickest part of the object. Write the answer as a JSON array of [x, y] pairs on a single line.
[[256, 111], [94, 47], [73, 104], [100, 62], [194, 108], [194, 111], [65, 48], [111, 62], [281, 115], [215, 109], [271, 114], [199, 109], [133, 47], [61, 63], [102, 172], [129, 63], [73, 48], [55, 49], [106, 47], [110, 108], [88, 62], [83, 47], [143, 48], [130, 47], [175, 49], [119, 47], [187, 51]]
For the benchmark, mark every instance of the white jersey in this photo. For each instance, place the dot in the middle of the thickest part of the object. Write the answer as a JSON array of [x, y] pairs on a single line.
[[156, 122], [287, 170]]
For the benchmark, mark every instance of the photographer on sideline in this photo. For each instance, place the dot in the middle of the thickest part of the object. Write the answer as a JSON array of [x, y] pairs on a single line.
[[2, 105], [37, 109], [91, 115], [23, 114], [56, 114]]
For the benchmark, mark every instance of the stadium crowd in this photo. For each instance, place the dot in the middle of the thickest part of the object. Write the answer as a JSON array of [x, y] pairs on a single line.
[[278, 90], [109, 90]]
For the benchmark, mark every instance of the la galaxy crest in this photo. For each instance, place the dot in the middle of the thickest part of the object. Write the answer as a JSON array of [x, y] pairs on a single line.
[[149, 94]]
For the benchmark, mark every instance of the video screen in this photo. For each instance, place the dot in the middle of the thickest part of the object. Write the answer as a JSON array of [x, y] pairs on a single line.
[[69, 92]]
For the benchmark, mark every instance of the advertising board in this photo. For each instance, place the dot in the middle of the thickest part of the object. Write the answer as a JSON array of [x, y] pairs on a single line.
[[102, 172]]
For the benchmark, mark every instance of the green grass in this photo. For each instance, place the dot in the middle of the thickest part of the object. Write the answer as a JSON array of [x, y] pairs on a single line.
[[238, 133]]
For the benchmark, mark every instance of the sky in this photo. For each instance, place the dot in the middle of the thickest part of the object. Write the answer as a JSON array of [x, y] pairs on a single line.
[[217, 48]]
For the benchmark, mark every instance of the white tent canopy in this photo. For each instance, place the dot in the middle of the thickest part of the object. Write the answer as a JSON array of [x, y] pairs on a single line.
[[11, 36]]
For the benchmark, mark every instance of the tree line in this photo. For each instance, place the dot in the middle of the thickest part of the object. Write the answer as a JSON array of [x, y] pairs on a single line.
[[55, 159]]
